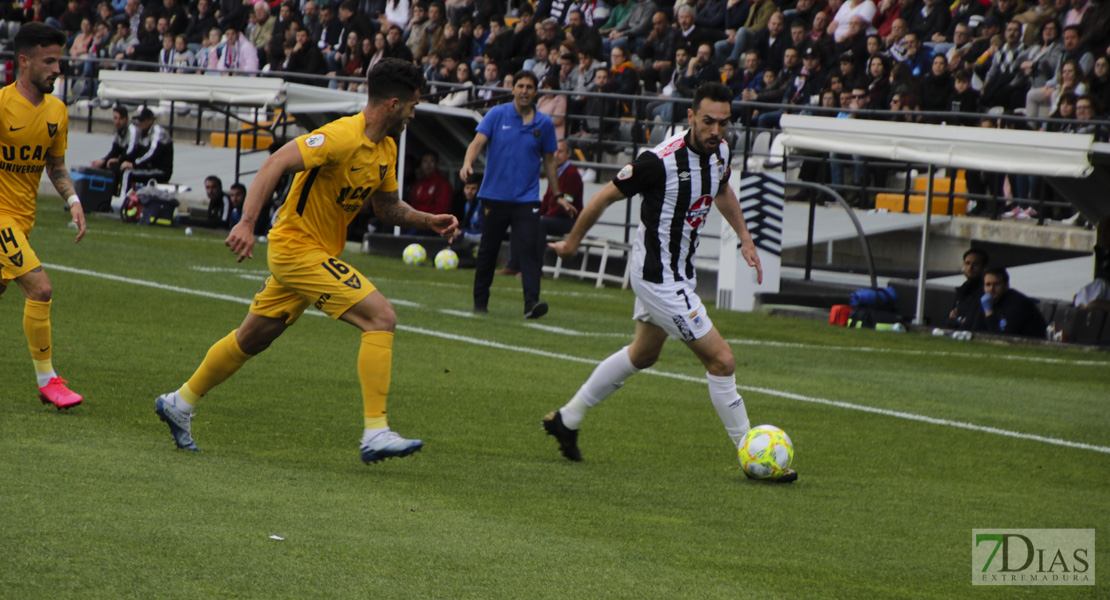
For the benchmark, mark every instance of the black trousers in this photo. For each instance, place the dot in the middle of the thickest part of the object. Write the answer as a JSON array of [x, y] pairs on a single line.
[[524, 218]]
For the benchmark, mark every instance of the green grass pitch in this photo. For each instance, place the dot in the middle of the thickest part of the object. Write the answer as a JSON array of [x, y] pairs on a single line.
[[904, 445]]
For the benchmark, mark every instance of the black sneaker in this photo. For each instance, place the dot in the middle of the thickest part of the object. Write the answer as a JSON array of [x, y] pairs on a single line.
[[567, 437], [788, 476], [535, 310], [481, 310]]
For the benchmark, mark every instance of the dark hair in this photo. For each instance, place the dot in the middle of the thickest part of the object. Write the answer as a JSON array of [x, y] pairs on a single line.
[[238, 187], [980, 252], [393, 78], [1078, 30], [526, 74], [216, 179], [121, 109], [349, 5], [999, 272], [37, 35], [962, 75], [551, 79], [713, 90]]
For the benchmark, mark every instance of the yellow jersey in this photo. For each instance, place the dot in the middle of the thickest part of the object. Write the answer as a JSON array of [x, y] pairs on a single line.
[[27, 134], [342, 169]]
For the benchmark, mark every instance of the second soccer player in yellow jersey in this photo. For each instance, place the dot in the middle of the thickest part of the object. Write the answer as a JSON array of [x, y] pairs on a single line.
[[339, 168]]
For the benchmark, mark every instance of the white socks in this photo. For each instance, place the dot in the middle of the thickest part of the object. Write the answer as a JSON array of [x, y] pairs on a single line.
[[730, 406], [180, 404], [44, 378], [607, 378]]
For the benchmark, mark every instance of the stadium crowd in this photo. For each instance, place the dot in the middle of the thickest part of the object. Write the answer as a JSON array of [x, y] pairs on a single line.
[[917, 59]]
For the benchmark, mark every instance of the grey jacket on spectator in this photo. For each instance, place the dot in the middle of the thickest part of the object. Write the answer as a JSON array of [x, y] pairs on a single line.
[[638, 23], [1044, 59]]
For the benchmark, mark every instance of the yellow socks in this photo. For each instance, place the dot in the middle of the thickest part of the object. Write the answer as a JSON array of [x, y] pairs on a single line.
[[36, 326], [223, 359], [375, 361]]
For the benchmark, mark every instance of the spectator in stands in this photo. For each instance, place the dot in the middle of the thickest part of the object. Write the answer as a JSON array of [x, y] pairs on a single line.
[[699, 69], [804, 11], [583, 35], [209, 56], [553, 105], [183, 59], [775, 83], [176, 17], [239, 54], [312, 21], [557, 214], [966, 304], [283, 29], [70, 18], [498, 42], [623, 72], [328, 40], [1005, 310], [772, 41], [1032, 19], [79, 46], [658, 53], [964, 99], [307, 59], [1004, 10], [124, 140], [855, 41], [798, 92], [895, 41], [262, 32], [927, 18], [396, 13], [121, 41], [1070, 80], [231, 13], [350, 61], [961, 14], [462, 95], [433, 31], [415, 31], [151, 157], [601, 111], [522, 42], [539, 63], [1086, 109], [799, 32], [148, 45], [373, 52], [431, 192], [937, 89], [201, 23], [397, 47], [1006, 84], [237, 195], [219, 203], [632, 32], [1075, 50], [961, 42], [864, 9], [878, 86], [849, 72], [740, 36], [917, 58], [1099, 82]]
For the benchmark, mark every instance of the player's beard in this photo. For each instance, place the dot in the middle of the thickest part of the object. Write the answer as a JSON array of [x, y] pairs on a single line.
[[44, 85]]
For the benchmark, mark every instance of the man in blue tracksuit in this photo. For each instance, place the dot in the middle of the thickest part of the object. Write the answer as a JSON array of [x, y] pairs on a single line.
[[520, 139]]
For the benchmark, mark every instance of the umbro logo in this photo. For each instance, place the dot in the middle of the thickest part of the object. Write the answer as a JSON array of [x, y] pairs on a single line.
[[684, 176], [10, 128]]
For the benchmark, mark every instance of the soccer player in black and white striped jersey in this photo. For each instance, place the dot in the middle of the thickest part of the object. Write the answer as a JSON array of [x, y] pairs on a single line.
[[679, 181]]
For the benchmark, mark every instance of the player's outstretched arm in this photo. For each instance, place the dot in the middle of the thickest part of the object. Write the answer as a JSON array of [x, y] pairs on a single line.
[[390, 209], [59, 175], [730, 209], [605, 197], [472, 152], [286, 160]]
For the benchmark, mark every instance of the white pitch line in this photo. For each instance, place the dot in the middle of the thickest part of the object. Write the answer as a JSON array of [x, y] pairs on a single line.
[[573, 332], [578, 359], [457, 313]]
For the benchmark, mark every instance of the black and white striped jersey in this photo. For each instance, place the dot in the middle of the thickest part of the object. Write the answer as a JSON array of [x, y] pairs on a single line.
[[677, 186]]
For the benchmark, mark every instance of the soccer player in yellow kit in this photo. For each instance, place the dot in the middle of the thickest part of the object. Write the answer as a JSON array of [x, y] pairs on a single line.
[[33, 129], [338, 168]]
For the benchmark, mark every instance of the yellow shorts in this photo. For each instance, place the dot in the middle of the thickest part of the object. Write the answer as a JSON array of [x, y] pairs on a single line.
[[315, 278], [16, 255]]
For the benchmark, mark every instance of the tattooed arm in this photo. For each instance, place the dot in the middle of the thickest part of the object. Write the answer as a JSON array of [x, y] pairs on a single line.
[[59, 175], [390, 209]]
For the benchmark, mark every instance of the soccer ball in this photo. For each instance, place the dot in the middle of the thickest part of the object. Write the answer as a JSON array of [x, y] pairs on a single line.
[[766, 452], [446, 259], [414, 255]]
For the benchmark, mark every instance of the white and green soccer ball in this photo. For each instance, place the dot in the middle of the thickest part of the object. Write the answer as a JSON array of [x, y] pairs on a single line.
[[414, 255], [446, 260], [766, 452]]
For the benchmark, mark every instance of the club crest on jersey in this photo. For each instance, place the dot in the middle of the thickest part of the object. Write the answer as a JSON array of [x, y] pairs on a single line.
[[536, 133], [625, 172], [698, 211], [52, 128], [381, 171], [17, 258], [353, 282], [315, 140]]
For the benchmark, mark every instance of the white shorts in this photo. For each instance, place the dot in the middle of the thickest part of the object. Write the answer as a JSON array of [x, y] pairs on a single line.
[[674, 307]]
